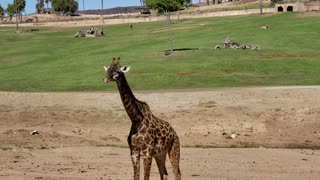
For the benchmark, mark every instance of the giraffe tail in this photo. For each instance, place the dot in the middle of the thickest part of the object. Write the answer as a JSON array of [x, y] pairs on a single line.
[[174, 156]]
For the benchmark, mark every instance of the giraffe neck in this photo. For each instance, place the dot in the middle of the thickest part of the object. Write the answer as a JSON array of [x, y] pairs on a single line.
[[130, 103]]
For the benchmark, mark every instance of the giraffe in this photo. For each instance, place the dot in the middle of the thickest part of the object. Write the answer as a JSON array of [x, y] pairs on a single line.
[[149, 137]]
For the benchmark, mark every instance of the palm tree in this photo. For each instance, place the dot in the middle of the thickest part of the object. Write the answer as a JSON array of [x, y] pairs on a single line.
[[19, 6], [11, 11], [39, 6], [1, 13]]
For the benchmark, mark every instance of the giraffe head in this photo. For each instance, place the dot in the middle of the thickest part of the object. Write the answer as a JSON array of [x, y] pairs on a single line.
[[114, 71]]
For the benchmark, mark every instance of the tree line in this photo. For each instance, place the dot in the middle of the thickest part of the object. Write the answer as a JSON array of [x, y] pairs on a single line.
[[18, 6], [60, 6], [71, 6], [13, 9]]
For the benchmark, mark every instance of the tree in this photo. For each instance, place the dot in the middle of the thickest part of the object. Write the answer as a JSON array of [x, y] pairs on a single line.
[[11, 11], [167, 6], [19, 5], [40, 6], [261, 6], [65, 6], [1, 13]]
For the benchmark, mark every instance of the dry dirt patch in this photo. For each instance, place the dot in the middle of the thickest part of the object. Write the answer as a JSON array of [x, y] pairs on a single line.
[[285, 117], [204, 164], [78, 133]]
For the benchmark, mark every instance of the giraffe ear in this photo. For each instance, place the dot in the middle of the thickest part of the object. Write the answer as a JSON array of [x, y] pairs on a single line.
[[125, 69], [106, 68]]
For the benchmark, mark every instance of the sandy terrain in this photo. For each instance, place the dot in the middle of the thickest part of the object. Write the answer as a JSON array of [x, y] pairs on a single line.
[[83, 135]]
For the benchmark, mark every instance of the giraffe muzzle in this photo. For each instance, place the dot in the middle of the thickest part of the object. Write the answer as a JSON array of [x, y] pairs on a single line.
[[106, 80]]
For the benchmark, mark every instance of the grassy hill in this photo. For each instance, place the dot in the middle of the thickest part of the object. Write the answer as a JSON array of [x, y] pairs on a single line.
[[53, 60]]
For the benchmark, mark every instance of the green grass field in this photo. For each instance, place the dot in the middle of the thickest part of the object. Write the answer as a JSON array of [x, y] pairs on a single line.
[[53, 60]]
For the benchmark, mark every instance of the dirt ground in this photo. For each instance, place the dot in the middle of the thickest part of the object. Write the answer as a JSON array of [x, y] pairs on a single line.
[[83, 135]]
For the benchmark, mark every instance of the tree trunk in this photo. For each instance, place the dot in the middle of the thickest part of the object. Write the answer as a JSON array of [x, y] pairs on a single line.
[[101, 13], [260, 6], [101, 6], [17, 21], [20, 17], [170, 32]]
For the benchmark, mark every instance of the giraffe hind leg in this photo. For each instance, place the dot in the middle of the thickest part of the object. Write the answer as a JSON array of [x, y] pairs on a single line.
[[174, 156], [161, 163]]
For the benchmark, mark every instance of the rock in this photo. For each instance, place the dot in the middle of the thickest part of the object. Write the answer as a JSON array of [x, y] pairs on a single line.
[[233, 135], [77, 130], [35, 132]]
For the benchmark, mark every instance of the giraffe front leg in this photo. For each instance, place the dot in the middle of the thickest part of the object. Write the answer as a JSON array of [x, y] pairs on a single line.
[[135, 157], [147, 162]]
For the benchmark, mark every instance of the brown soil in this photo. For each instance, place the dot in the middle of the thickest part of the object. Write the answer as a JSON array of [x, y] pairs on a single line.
[[83, 135]]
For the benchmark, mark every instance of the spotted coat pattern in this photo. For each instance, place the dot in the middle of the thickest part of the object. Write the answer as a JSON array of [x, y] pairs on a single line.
[[149, 137]]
